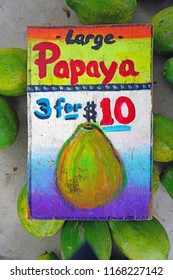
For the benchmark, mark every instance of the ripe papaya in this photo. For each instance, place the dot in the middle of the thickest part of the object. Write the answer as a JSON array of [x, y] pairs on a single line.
[[167, 70], [141, 240], [37, 228], [166, 179], [13, 71], [162, 138], [90, 172], [95, 233], [47, 255], [163, 31], [103, 11], [9, 124], [155, 179]]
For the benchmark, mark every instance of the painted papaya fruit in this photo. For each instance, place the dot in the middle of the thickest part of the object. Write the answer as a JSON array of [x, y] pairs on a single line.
[[90, 172], [166, 179], [141, 240], [167, 70], [103, 11], [163, 31], [162, 138], [95, 233]]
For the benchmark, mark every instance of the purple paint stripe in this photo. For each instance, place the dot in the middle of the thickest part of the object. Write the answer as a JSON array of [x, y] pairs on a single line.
[[132, 204]]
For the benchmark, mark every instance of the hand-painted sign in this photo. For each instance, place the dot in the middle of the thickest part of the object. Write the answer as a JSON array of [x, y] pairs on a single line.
[[90, 122]]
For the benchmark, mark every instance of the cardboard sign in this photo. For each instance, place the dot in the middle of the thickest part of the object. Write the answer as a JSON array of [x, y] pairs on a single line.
[[90, 122]]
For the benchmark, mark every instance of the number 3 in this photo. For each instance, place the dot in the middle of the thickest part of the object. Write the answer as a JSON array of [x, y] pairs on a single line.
[[44, 107]]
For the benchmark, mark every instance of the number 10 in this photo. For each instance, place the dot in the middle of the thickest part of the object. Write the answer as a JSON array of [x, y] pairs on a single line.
[[106, 111]]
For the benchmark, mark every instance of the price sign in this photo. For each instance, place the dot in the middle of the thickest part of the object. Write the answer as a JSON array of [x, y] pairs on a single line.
[[90, 122]]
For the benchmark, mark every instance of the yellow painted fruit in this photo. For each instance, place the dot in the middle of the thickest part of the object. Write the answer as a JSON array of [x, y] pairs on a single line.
[[103, 11], [13, 71], [38, 228], [9, 124], [90, 172]]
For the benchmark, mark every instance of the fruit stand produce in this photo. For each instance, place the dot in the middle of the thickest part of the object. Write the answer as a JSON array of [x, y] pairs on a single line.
[[15, 241]]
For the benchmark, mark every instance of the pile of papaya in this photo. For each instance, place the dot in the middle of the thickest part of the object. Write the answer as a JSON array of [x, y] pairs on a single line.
[[135, 240], [13, 82]]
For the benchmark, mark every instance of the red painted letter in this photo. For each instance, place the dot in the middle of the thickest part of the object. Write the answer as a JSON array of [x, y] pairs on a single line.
[[77, 68], [61, 69], [42, 60], [92, 69], [127, 68], [108, 72]]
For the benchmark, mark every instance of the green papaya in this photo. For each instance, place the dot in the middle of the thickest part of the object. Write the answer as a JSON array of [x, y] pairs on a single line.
[[141, 240], [167, 70], [37, 228], [90, 172], [163, 31], [155, 179], [9, 124], [13, 71], [103, 11], [95, 233], [162, 138], [47, 255], [166, 179]]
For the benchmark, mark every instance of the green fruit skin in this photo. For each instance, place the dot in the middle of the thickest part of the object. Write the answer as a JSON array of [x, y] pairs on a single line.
[[162, 138], [96, 233], [167, 71], [141, 240], [13, 72], [155, 180], [166, 179], [103, 11], [37, 228], [163, 31], [48, 255], [9, 124]]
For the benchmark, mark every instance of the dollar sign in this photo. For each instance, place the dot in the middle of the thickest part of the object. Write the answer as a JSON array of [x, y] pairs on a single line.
[[91, 113]]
